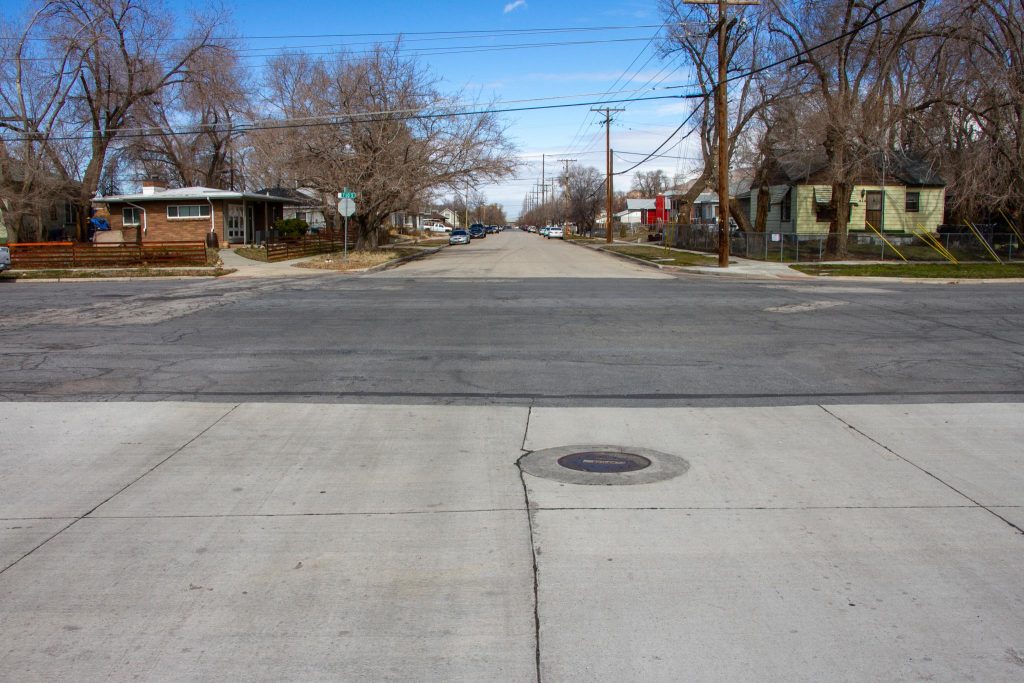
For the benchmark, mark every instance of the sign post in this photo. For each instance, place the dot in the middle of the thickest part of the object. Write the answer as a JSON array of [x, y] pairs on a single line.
[[346, 207]]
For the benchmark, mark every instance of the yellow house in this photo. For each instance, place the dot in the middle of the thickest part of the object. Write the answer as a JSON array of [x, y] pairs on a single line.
[[900, 196]]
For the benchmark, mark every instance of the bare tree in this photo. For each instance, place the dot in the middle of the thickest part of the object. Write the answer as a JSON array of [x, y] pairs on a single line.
[[102, 59], [749, 91], [193, 125], [848, 53], [975, 129], [36, 82], [650, 183], [379, 125], [584, 196]]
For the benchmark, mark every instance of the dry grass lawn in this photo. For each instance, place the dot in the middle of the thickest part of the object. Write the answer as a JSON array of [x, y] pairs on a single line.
[[357, 260]]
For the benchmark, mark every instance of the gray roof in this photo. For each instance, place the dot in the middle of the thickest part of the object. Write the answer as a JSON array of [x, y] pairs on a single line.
[[913, 171], [190, 193]]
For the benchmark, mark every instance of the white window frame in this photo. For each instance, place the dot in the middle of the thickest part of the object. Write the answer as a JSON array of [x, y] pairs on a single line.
[[204, 212], [134, 212]]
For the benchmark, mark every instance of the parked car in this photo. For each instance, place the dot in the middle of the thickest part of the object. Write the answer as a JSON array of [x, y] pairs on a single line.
[[5, 258], [477, 231], [492, 229], [459, 236], [556, 232], [544, 231]]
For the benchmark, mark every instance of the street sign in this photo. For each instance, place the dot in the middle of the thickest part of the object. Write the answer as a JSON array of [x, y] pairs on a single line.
[[347, 194], [346, 207]]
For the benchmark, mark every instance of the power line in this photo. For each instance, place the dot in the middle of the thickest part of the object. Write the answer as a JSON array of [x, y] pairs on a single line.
[[650, 42], [788, 58], [480, 33], [333, 116], [367, 116], [666, 140], [355, 55]]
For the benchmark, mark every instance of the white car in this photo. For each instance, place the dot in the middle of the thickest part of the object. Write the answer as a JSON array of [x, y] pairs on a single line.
[[5, 258], [556, 232]]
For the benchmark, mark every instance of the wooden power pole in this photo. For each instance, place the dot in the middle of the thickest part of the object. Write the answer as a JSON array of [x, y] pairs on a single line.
[[722, 121], [608, 111]]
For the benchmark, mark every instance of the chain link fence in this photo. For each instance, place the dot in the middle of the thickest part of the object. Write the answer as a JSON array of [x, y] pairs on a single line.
[[957, 242]]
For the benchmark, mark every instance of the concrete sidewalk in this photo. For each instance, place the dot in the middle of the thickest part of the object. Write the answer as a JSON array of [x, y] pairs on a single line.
[[398, 542], [245, 267]]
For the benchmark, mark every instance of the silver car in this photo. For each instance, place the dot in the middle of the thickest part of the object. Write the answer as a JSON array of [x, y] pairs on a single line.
[[459, 237], [5, 258]]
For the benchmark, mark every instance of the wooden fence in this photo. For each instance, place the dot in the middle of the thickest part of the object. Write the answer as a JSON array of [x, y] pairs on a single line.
[[35, 255], [320, 243]]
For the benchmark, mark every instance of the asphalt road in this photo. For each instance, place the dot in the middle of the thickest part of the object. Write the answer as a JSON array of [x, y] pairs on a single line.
[[414, 335], [332, 477]]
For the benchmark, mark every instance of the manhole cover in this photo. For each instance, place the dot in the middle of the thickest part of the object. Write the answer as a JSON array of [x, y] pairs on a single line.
[[603, 465], [607, 462]]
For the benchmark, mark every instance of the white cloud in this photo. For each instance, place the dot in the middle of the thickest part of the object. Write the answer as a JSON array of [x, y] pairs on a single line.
[[513, 6]]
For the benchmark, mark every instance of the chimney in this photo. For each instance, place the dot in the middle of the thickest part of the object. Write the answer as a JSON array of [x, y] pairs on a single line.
[[152, 186]]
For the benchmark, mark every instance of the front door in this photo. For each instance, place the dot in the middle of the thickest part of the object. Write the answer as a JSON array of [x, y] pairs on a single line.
[[234, 227], [873, 209]]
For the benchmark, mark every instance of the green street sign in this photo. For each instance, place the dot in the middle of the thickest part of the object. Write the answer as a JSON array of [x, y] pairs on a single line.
[[347, 194]]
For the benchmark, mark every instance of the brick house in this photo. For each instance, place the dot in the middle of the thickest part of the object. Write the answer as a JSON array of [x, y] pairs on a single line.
[[192, 213]]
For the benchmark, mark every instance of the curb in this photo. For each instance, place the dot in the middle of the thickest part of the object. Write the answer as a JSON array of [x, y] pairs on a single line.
[[920, 280], [120, 278], [634, 259], [398, 261]]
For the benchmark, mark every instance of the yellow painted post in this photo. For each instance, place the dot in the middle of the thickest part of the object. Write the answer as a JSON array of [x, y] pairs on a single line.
[[933, 241], [891, 246], [982, 240], [1012, 226]]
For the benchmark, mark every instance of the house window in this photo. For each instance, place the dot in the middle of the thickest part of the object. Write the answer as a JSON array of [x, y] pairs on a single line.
[[786, 208], [189, 211], [913, 203], [824, 213], [69, 213], [302, 216], [130, 216]]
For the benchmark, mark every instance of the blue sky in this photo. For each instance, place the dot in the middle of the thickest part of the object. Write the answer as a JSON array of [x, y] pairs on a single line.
[[505, 76], [518, 74]]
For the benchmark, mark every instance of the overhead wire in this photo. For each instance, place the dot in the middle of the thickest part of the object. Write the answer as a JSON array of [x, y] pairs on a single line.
[[409, 115]]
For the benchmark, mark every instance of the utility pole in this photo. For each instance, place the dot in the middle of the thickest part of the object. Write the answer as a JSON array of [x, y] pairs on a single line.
[[608, 111], [543, 180], [722, 122], [565, 177]]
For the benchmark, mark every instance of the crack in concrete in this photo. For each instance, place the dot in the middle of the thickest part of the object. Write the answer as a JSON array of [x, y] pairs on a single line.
[[122, 489], [533, 546], [929, 473]]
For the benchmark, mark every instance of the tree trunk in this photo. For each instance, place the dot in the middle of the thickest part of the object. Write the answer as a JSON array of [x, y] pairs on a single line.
[[699, 185], [737, 212], [838, 228], [764, 200], [90, 184]]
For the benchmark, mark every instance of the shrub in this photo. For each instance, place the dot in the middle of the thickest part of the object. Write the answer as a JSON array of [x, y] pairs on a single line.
[[291, 227]]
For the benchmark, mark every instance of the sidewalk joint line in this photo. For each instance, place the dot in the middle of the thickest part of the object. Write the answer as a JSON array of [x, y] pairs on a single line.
[[78, 519], [922, 469]]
